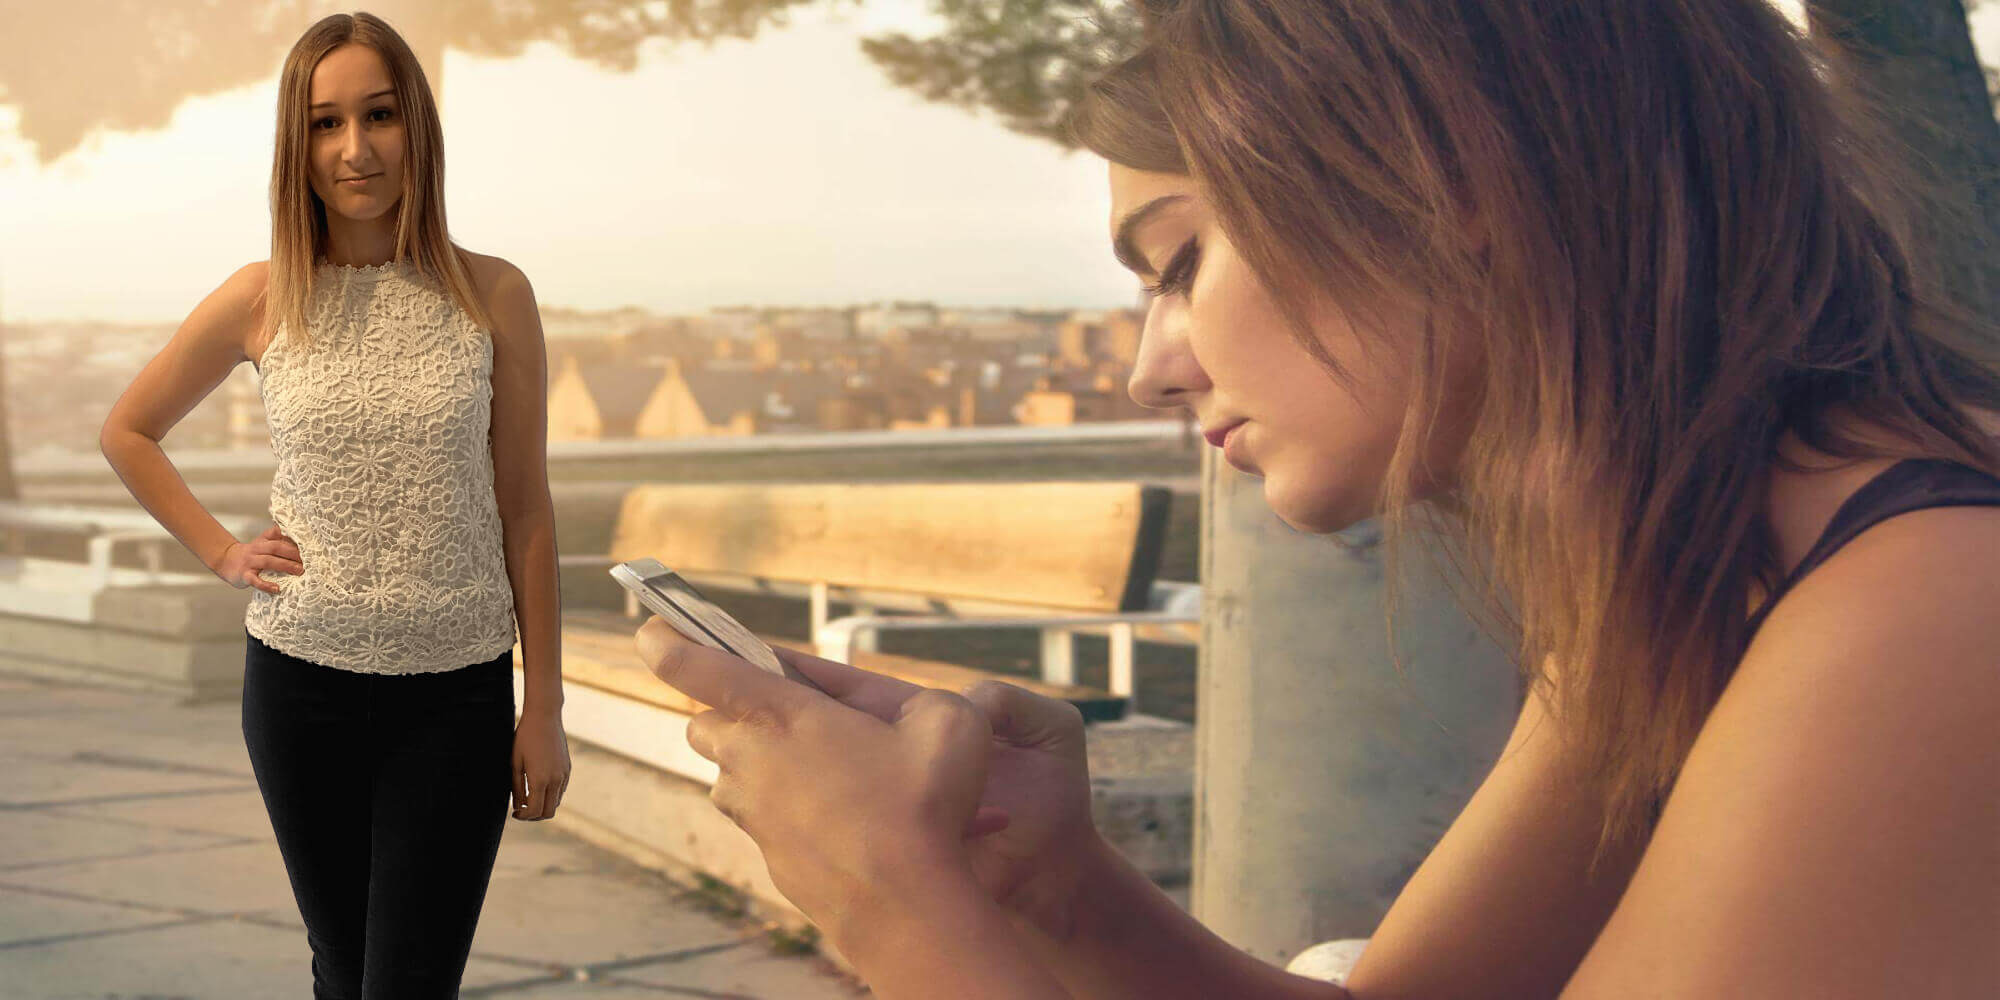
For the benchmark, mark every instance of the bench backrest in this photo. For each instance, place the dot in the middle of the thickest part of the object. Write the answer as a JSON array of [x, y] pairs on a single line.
[[1088, 546]]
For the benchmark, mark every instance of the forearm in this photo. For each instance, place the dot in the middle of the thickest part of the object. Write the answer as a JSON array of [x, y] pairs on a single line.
[[153, 481], [531, 568], [1123, 937]]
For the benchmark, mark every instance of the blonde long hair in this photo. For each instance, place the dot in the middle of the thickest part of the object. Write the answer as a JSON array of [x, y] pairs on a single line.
[[1698, 244], [298, 216]]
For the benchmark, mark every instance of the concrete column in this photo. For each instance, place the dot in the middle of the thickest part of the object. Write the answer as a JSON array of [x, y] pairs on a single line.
[[1322, 776]]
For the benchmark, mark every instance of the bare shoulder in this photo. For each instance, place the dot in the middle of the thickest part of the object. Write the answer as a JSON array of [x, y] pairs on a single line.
[[504, 289], [496, 277], [1832, 830], [245, 287], [234, 312]]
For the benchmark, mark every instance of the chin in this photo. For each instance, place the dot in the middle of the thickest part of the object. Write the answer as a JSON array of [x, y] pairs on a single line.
[[367, 211], [1317, 508]]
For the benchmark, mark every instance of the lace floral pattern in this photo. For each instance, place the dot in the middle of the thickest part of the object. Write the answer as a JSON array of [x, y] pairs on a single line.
[[385, 481]]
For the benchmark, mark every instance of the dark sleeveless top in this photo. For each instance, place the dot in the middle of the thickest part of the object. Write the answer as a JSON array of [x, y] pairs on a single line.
[[1911, 484]]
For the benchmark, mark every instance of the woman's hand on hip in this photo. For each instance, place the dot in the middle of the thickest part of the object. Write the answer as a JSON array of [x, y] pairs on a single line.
[[879, 787], [243, 562], [541, 765]]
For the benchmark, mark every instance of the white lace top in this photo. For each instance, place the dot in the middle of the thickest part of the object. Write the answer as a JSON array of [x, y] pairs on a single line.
[[385, 480]]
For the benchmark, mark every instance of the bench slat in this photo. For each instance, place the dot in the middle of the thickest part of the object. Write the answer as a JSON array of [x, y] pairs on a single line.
[[598, 652], [1088, 546]]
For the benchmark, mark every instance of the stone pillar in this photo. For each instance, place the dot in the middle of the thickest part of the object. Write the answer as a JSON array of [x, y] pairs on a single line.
[[1322, 775]]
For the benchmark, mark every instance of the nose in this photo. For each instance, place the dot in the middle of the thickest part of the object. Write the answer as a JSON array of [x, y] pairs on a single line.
[[1165, 374], [355, 149]]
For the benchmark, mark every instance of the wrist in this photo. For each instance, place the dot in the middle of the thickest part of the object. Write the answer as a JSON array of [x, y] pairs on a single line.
[[1054, 901], [909, 913], [541, 708], [214, 562]]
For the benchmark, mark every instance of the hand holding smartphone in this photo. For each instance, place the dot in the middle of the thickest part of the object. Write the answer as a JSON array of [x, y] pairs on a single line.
[[674, 599]]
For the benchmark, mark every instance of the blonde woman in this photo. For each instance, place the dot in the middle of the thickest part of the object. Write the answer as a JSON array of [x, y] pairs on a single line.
[[1619, 286], [404, 382]]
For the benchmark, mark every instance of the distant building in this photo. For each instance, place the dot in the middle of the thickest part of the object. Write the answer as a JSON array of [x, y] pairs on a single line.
[[832, 325], [1050, 404], [608, 325], [1121, 336], [1084, 339], [854, 410], [735, 399], [707, 401], [772, 346], [590, 401], [733, 323], [1000, 326], [873, 321]]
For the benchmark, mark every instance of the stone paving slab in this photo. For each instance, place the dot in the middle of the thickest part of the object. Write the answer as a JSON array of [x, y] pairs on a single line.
[[239, 878], [27, 918], [136, 860], [64, 782], [237, 814], [37, 839], [740, 972], [591, 918]]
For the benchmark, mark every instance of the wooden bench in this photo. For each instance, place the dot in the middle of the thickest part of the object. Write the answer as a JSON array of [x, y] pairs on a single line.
[[1058, 558], [94, 620]]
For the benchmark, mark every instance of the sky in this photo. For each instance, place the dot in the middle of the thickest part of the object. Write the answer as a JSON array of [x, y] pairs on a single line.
[[783, 170]]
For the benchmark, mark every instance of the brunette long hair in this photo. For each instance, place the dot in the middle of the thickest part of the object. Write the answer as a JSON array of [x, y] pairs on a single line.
[[1696, 240], [298, 216]]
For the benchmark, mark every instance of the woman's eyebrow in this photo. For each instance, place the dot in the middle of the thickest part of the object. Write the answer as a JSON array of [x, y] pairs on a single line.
[[370, 97], [1122, 246]]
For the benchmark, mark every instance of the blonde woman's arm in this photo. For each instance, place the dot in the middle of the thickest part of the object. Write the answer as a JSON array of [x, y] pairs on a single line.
[[519, 437], [208, 345]]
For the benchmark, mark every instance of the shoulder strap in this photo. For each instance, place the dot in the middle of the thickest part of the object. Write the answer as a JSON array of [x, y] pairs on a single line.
[[1911, 484]]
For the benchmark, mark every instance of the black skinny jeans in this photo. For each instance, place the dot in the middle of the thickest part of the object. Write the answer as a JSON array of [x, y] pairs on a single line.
[[388, 794]]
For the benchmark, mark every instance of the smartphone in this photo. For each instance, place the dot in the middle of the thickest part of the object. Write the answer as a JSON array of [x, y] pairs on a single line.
[[696, 617]]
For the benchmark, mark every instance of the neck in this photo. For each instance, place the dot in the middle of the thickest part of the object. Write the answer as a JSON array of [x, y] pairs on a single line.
[[360, 243]]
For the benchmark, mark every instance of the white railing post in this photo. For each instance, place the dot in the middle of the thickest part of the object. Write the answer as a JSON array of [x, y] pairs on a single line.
[[869, 641], [1058, 659], [817, 599], [1120, 679], [100, 560]]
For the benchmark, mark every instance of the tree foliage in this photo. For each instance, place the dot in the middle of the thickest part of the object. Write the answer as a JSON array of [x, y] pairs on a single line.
[[73, 68], [1916, 59], [1025, 61]]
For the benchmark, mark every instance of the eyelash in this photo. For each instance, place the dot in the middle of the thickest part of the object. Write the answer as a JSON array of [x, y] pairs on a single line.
[[1178, 272], [322, 121]]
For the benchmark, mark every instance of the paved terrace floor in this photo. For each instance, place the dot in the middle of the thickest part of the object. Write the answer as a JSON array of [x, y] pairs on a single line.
[[136, 860]]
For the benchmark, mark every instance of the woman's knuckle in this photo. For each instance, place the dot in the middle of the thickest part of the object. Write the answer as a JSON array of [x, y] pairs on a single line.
[[988, 689], [764, 718], [947, 703], [1072, 716]]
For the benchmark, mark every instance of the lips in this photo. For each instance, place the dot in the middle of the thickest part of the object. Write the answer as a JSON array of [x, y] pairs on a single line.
[[1220, 433]]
